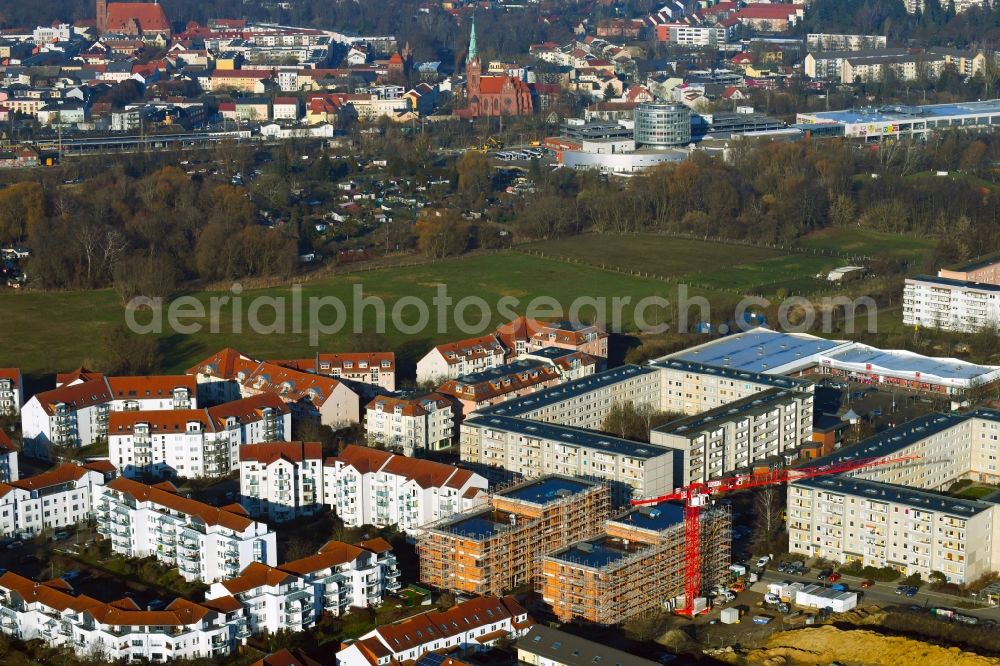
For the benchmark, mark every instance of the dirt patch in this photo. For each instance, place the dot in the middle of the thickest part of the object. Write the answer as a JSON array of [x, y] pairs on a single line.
[[819, 646]]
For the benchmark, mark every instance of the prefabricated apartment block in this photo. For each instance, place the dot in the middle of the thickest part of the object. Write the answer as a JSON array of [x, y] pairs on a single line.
[[493, 550], [635, 566], [768, 425], [882, 516]]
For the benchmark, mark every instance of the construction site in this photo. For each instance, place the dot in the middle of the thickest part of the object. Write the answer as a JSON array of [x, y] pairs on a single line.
[[494, 550], [636, 566]]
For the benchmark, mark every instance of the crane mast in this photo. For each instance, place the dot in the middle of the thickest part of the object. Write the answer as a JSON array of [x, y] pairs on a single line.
[[698, 494]]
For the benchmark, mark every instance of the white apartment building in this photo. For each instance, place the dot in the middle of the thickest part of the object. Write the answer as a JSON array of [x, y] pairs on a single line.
[[204, 542], [474, 625], [375, 369], [454, 359], [951, 305], [71, 415], [76, 412], [194, 443], [691, 387], [228, 375], [842, 42], [372, 487], [849, 519], [11, 391], [881, 515], [683, 34], [130, 394], [425, 423], [120, 631], [8, 459], [281, 481], [768, 426], [61, 497], [293, 596]]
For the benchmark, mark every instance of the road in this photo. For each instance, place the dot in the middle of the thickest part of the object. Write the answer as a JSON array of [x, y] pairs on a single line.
[[885, 594]]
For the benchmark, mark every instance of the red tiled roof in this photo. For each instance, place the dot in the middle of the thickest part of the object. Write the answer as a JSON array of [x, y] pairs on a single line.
[[256, 574], [63, 473], [13, 374], [759, 10], [225, 363], [471, 348], [149, 16], [5, 443], [268, 452], [408, 406], [209, 514], [76, 396], [363, 458], [246, 410], [160, 421], [325, 363], [332, 554]]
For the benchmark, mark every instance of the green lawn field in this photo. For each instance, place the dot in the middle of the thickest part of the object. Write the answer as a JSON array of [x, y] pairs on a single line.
[[869, 243], [45, 333], [656, 255], [795, 273]]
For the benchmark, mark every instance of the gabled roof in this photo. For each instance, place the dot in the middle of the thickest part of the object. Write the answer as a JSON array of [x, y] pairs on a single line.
[[471, 348], [160, 421], [45, 594], [332, 554], [6, 445], [418, 406], [225, 363], [210, 515], [13, 374], [292, 385], [75, 396], [269, 452], [246, 410], [150, 17], [256, 574], [363, 458], [63, 473]]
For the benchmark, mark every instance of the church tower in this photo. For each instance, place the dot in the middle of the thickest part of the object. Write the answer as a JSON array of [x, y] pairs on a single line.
[[102, 16], [473, 68]]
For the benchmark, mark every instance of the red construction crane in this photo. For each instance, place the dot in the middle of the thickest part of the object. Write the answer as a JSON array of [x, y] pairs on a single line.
[[696, 495]]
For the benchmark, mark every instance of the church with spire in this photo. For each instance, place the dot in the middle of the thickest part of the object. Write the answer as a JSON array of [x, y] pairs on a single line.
[[492, 95]]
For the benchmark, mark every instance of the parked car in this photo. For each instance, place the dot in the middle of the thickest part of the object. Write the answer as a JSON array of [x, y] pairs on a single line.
[[911, 591], [867, 584], [762, 619], [763, 560], [824, 574], [771, 598], [901, 589], [833, 577], [839, 587]]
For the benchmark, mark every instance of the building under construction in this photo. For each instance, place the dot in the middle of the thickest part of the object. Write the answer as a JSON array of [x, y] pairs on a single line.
[[635, 566], [493, 550]]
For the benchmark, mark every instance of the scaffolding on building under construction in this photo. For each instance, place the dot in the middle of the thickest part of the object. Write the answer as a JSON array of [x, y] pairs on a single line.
[[494, 550], [629, 572]]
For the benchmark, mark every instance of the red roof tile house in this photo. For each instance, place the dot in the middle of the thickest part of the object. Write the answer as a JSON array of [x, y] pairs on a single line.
[[491, 387], [120, 631], [421, 423], [454, 359], [372, 487], [204, 542], [377, 369], [471, 625], [228, 374], [293, 595], [281, 481], [767, 17], [60, 497], [194, 443], [8, 459]]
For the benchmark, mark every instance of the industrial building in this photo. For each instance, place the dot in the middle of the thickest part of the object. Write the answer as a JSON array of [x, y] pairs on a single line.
[[610, 578], [771, 353], [875, 124], [767, 426], [493, 550]]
